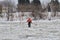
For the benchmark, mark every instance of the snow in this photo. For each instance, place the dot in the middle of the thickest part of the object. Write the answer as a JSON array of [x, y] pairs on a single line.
[[18, 16], [18, 29], [40, 30]]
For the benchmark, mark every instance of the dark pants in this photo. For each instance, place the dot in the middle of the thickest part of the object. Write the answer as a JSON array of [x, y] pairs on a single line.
[[29, 24]]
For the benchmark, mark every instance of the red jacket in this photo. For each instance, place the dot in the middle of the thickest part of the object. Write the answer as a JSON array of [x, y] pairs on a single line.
[[29, 20]]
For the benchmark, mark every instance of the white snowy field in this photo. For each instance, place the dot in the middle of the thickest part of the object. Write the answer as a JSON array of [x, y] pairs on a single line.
[[40, 30]]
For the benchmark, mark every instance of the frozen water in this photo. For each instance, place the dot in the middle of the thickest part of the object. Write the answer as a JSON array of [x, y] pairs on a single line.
[[40, 30]]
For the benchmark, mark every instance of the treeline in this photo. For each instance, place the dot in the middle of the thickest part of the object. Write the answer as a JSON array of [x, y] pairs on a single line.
[[28, 2], [36, 7]]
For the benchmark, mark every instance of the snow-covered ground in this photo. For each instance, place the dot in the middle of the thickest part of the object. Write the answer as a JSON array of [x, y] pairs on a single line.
[[18, 29], [40, 30], [18, 16]]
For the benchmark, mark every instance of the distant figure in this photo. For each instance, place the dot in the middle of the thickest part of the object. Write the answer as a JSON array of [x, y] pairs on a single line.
[[29, 22]]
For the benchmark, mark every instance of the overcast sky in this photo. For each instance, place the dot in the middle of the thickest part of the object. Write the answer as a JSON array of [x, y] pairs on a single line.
[[31, 0]]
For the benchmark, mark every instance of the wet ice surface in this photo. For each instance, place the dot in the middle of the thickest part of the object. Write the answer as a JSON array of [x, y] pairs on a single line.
[[40, 30]]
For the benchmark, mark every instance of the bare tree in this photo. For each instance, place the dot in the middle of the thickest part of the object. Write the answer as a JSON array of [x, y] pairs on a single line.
[[10, 9], [54, 6], [36, 4], [0, 10]]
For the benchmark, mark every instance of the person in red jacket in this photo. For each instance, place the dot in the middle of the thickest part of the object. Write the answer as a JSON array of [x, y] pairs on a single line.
[[29, 22]]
